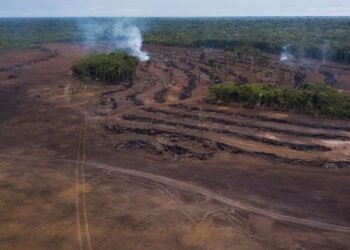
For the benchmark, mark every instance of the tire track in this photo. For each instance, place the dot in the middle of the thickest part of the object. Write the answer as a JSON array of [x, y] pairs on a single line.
[[171, 197], [196, 189], [81, 184], [77, 191], [199, 190], [82, 169]]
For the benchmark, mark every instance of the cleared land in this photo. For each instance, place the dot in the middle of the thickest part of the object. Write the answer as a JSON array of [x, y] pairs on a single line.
[[154, 166]]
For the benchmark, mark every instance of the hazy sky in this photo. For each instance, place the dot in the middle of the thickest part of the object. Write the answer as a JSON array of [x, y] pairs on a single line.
[[51, 8]]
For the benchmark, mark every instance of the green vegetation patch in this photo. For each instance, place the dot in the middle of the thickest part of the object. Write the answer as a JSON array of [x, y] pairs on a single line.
[[311, 98], [113, 68]]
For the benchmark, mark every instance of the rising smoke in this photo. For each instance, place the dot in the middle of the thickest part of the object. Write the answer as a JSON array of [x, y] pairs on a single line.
[[285, 54], [120, 35]]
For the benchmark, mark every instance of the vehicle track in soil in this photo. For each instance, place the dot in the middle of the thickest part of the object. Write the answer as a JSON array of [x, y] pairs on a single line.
[[77, 190], [167, 193], [84, 238], [195, 189]]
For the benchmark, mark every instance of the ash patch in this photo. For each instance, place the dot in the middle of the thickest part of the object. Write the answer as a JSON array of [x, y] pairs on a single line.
[[160, 96], [135, 100], [161, 148]]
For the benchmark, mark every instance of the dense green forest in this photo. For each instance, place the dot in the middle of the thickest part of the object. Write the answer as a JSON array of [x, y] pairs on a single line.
[[311, 98], [314, 37], [112, 68], [30, 32]]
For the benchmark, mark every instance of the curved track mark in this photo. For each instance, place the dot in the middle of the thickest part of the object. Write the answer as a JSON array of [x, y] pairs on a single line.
[[199, 190]]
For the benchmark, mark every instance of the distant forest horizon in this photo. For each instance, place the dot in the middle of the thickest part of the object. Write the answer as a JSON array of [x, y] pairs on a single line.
[[326, 37]]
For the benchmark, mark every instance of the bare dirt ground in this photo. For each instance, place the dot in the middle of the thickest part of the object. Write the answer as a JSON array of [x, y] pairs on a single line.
[[154, 166]]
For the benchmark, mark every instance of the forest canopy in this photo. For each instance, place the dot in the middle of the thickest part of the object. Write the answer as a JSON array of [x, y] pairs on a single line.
[[113, 68], [312, 37], [311, 98]]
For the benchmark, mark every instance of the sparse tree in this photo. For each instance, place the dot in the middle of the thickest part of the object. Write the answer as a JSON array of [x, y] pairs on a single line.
[[227, 57], [202, 57]]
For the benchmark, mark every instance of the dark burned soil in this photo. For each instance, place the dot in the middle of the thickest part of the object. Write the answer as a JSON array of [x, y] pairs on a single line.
[[154, 166]]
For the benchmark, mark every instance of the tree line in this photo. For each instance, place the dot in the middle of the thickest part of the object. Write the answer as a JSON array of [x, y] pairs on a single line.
[[313, 37], [317, 99]]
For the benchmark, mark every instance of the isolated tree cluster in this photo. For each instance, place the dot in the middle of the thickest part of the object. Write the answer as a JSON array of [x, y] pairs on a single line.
[[317, 99], [113, 68]]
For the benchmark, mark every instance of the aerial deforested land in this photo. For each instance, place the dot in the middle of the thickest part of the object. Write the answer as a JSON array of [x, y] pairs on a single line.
[[214, 144]]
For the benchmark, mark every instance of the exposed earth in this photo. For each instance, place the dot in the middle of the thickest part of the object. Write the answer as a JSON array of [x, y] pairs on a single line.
[[84, 165]]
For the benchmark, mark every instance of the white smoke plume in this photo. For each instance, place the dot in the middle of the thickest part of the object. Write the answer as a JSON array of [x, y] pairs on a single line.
[[119, 34], [130, 38], [285, 55]]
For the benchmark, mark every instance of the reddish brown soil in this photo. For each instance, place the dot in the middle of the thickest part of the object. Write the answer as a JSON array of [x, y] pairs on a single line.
[[154, 166]]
